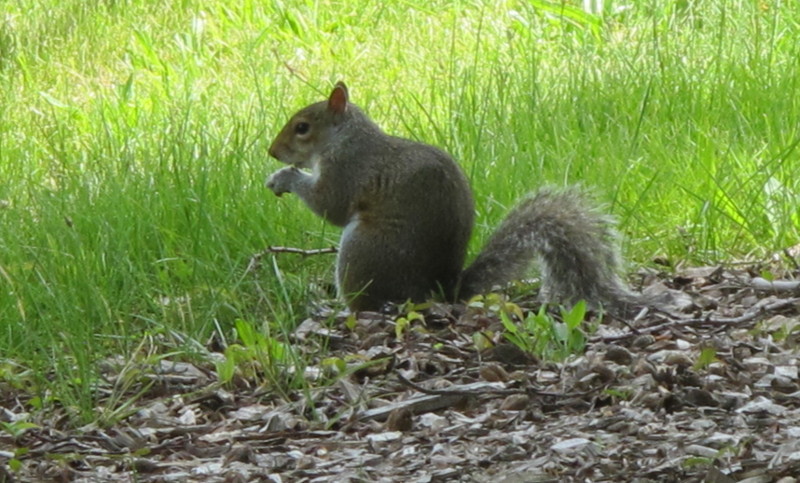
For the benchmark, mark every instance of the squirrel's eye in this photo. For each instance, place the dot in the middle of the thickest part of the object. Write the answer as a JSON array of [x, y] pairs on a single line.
[[301, 127]]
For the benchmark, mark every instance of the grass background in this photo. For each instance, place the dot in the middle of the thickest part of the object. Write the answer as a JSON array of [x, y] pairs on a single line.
[[133, 138]]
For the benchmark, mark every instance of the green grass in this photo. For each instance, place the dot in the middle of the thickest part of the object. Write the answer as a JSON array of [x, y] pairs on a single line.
[[133, 139]]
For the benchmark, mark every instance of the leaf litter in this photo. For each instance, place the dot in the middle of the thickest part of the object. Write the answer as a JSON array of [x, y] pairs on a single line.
[[705, 388]]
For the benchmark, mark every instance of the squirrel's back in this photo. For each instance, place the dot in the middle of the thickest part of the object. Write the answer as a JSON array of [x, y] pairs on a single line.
[[409, 227]]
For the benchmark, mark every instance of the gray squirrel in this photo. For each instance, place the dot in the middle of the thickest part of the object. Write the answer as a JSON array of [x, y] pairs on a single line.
[[408, 212]]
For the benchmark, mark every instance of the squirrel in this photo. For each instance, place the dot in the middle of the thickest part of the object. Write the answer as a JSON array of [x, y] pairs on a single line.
[[407, 211]]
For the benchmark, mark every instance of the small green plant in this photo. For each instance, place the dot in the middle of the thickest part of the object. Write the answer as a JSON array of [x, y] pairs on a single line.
[[490, 304], [767, 275], [15, 463], [403, 323], [496, 303], [335, 365], [258, 357], [621, 394], [16, 429], [708, 355], [547, 337], [697, 461]]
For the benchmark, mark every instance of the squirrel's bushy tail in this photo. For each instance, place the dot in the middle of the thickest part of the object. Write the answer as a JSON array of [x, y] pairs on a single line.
[[576, 244]]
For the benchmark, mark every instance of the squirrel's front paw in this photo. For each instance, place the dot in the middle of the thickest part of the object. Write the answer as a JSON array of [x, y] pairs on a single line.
[[281, 181]]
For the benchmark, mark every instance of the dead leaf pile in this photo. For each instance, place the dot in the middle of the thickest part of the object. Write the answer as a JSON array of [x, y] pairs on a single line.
[[704, 387]]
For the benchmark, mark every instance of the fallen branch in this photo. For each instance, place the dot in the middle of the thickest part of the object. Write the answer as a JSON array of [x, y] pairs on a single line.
[[482, 388], [704, 321], [759, 283], [461, 390], [425, 402]]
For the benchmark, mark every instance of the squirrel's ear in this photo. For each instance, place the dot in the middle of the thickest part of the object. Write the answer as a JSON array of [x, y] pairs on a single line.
[[337, 102]]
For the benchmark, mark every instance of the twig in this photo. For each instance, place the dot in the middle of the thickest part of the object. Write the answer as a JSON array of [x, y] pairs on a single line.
[[299, 251], [255, 259]]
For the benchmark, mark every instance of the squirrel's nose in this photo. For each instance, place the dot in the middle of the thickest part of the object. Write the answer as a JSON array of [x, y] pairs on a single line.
[[273, 151]]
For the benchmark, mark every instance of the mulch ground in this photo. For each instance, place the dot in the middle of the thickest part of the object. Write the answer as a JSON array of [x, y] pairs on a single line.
[[704, 388]]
